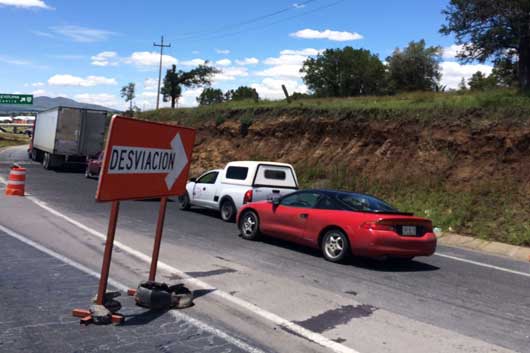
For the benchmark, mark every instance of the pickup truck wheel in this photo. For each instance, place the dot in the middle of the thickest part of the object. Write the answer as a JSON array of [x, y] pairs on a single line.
[[184, 201], [335, 245], [228, 211], [249, 225]]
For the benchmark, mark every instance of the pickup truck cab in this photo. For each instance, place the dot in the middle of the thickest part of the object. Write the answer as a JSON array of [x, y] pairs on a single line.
[[226, 190]]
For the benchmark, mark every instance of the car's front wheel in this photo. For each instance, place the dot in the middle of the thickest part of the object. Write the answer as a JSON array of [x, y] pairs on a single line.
[[335, 245], [228, 211], [184, 201], [249, 225]]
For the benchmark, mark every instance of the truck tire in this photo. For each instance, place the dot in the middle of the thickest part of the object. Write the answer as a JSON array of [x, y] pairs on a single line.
[[228, 210], [46, 161]]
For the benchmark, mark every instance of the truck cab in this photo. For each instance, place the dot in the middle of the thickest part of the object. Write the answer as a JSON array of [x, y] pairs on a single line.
[[226, 190]]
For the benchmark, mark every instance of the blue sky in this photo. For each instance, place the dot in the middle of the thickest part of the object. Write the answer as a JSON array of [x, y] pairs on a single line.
[[87, 50]]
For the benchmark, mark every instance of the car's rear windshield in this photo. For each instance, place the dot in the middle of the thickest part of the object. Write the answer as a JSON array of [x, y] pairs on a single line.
[[363, 203]]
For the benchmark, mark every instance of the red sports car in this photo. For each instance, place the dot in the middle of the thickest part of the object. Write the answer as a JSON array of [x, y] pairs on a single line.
[[340, 224], [93, 166]]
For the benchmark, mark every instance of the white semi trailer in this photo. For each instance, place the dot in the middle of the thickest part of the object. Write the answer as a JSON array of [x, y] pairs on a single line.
[[65, 135]]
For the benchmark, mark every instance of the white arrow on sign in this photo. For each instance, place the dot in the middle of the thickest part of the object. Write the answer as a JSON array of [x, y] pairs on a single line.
[[141, 160]]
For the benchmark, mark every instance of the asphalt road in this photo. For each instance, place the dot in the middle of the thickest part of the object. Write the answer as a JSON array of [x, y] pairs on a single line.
[[432, 294]]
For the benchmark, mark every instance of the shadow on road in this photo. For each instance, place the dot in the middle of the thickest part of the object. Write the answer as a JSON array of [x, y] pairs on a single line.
[[143, 318], [391, 265]]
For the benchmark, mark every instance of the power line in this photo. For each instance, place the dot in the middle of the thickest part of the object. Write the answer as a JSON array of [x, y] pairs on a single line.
[[218, 36], [191, 35], [162, 46]]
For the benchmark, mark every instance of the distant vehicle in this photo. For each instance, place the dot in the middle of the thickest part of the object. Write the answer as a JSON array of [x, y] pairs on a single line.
[[67, 135], [340, 224], [239, 183], [93, 166]]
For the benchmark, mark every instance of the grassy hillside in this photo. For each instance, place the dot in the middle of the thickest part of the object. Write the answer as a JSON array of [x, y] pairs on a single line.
[[462, 159], [499, 104], [8, 139]]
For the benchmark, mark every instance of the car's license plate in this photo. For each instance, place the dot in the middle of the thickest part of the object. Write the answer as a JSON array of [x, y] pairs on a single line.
[[409, 230]]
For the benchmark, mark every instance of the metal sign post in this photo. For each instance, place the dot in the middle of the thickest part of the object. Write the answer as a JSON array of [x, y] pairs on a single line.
[[142, 160], [158, 238]]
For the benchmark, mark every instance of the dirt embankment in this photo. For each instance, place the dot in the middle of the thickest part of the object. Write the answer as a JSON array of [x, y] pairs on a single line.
[[456, 153]]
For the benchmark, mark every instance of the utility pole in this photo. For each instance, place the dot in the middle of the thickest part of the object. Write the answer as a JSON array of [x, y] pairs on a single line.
[[162, 46]]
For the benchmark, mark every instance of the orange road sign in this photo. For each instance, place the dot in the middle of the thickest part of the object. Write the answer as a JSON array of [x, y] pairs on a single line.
[[144, 160]]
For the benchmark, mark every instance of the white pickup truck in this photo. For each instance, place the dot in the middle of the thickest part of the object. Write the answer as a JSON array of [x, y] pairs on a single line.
[[238, 183]]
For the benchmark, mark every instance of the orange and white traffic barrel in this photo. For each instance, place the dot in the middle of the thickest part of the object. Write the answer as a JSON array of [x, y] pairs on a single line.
[[16, 181]]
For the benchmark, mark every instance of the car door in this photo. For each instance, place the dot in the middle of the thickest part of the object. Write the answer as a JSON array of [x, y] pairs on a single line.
[[289, 218], [204, 190]]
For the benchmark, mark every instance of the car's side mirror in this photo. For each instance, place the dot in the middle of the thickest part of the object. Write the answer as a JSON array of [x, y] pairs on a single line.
[[193, 180]]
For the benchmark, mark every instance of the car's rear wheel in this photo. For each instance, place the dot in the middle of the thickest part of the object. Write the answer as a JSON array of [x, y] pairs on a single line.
[[184, 201], [228, 211], [249, 225], [335, 245]]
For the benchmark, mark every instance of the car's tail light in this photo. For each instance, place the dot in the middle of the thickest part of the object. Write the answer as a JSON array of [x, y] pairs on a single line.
[[248, 196], [377, 226]]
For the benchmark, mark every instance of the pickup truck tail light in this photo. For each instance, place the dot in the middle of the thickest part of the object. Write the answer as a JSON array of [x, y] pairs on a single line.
[[248, 196]]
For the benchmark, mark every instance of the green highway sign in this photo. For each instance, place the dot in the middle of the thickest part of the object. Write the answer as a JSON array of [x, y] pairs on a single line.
[[16, 98]]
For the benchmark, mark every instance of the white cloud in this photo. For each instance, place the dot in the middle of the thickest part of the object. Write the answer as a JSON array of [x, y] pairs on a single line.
[[12, 61], [222, 51], [105, 58], [230, 73], [452, 72], [224, 62], [82, 34], [282, 71], [147, 59], [288, 64], [189, 97], [148, 94], [193, 62], [104, 99], [271, 88], [25, 3], [195, 52], [327, 34], [89, 81], [451, 51], [286, 60], [247, 61], [151, 84], [39, 92], [306, 51], [37, 84], [298, 6]]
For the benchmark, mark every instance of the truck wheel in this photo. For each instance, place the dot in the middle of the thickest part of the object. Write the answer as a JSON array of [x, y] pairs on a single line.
[[46, 161], [249, 225], [184, 201], [228, 211]]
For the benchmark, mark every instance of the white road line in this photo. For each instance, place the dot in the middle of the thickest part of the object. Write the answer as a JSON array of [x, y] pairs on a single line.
[[299, 330], [178, 315], [504, 269]]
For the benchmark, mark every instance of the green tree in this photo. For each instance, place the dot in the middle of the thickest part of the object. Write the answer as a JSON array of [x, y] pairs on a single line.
[[344, 72], [506, 72], [462, 86], [128, 93], [210, 96], [175, 80], [497, 29], [241, 93], [481, 82], [415, 68]]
